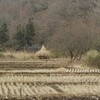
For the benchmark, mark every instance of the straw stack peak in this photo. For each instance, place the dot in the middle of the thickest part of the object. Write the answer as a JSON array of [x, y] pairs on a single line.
[[43, 47], [43, 53]]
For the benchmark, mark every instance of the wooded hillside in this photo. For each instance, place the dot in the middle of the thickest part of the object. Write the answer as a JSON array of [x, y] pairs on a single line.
[[70, 26]]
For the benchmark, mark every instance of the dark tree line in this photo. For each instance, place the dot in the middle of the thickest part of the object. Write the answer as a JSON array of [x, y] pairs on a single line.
[[3, 33], [24, 35]]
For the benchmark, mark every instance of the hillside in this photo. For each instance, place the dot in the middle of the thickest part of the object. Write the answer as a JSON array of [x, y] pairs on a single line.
[[49, 16]]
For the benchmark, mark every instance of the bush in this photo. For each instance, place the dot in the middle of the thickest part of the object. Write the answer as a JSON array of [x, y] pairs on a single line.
[[1, 55], [92, 53], [57, 54], [94, 58], [10, 56]]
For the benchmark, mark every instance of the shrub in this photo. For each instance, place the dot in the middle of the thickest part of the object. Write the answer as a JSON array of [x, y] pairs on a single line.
[[94, 58], [59, 54], [92, 53], [1, 55], [11, 56]]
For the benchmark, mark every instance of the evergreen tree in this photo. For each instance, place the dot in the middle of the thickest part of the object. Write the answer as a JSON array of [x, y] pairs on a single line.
[[3, 33], [29, 33], [25, 35], [20, 37]]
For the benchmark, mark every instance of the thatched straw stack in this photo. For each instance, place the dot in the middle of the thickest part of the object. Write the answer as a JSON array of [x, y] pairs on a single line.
[[43, 53]]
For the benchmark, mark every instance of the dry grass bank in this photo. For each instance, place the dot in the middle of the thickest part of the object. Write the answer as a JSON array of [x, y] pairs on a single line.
[[30, 56], [19, 55]]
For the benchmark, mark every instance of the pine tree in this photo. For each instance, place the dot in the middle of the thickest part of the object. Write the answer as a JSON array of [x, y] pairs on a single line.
[[25, 34], [3, 33], [29, 33]]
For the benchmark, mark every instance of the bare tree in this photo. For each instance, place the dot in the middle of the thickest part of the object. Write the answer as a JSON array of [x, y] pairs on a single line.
[[79, 28]]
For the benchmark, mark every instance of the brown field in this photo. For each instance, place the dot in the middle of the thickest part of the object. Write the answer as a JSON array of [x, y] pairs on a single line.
[[48, 80]]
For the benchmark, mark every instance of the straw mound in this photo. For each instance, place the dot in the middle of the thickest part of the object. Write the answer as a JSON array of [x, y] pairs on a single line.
[[43, 53], [61, 69]]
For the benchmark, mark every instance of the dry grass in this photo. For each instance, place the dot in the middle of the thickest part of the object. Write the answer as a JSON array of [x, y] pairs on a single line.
[[30, 56], [44, 85], [19, 55]]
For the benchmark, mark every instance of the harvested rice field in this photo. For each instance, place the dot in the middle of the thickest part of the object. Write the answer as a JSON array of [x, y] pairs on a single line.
[[47, 83]]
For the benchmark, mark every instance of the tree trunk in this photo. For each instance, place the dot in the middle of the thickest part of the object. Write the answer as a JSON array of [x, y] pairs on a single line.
[[71, 55]]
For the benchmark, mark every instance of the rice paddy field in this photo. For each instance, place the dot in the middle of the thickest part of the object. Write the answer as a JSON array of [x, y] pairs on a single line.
[[47, 80]]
